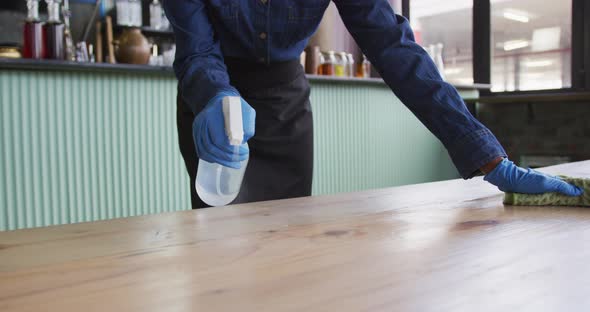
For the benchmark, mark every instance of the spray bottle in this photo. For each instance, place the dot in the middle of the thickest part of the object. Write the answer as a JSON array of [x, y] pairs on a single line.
[[218, 185]]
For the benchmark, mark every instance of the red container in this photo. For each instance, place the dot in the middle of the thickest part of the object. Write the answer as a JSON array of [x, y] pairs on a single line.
[[33, 40]]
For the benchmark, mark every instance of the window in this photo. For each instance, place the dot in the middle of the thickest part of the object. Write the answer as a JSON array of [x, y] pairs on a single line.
[[531, 44], [397, 6], [450, 24]]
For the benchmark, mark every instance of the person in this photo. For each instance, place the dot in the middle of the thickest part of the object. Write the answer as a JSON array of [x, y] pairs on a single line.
[[251, 49]]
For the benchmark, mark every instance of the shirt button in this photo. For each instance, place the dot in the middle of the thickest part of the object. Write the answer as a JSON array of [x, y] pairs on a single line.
[[261, 60], [262, 35]]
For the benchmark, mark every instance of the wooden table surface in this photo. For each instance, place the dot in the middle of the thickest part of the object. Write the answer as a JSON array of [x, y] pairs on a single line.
[[446, 246]]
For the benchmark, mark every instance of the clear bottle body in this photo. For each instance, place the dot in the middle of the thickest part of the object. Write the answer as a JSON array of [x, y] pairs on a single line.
[[135, 9], [123, 13], [218, 185], [350, 67], [156, 15], [341, 64]]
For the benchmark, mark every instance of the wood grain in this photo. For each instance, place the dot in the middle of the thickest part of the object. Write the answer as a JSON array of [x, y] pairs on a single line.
[[446, 246]]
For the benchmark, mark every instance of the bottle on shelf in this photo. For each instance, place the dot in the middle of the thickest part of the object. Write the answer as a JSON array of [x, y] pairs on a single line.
[[327, 63], [156, 15], [165, 21], [216, 184], [135, 9], [313, 60], [123, 13], [341, 65], [69, 48], [33, 39], [364, 68], [53, 31], [350, 67], [91, 55]]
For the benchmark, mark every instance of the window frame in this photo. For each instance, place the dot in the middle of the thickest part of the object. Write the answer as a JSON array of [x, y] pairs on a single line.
[[482, 52]]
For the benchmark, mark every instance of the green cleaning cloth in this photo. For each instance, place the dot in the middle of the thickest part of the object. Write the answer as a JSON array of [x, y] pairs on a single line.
[[552, 199]]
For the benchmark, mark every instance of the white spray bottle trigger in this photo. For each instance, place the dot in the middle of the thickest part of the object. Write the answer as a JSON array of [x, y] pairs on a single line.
[[232, 114]]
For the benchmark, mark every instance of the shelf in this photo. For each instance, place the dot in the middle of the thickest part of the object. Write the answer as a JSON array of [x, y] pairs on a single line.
[[29, 64], [157, 32], [150, 32], [377, 81]]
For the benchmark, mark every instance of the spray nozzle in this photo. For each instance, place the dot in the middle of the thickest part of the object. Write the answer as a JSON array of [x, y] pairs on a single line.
[[232, 113]]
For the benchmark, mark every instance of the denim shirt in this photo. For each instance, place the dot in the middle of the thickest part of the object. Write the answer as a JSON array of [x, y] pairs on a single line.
[[268, 31]]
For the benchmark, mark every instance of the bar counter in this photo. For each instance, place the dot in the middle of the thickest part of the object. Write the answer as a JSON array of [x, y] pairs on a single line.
[[86, 142]]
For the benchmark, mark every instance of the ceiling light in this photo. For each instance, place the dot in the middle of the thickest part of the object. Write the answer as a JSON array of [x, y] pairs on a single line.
[[516, 16], [539, 63], [515, 44]]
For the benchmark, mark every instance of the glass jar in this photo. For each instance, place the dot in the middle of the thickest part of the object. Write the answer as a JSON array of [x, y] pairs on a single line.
[[156, 15], [33, 39], [123, 13], [327, 63], [350, 67], [341, 65], [135, 13], [53, 31], [364, 68]]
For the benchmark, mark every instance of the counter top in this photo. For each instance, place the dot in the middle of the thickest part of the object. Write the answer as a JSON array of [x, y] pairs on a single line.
[[29, 64], [444, 246], [476, 86]]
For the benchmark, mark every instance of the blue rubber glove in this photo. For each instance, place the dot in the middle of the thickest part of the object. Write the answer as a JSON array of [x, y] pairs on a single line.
[[508, 177], [210, 138]]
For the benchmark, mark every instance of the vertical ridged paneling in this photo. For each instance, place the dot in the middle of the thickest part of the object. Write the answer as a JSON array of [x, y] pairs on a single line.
[[366, 138], [89, 146]]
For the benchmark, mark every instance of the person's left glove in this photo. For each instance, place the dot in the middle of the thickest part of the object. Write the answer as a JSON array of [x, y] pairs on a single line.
[[508, 177], [210, 137]]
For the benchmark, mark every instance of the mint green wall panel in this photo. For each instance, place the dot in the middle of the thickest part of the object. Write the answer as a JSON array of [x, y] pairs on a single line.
[[87, 146], [81, 146], [366, 138]]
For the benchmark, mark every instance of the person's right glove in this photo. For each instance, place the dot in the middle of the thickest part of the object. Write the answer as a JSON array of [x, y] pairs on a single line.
[[210, 137], [508, 177]]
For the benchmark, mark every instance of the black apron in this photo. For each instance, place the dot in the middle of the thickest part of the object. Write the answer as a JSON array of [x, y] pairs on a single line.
[[281, 151]]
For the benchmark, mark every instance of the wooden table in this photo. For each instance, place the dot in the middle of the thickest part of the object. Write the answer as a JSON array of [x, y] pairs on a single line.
[[447, 246]]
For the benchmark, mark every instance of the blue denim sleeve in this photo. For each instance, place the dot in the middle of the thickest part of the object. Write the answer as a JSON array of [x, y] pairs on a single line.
[[388, 42], [199, 64]]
